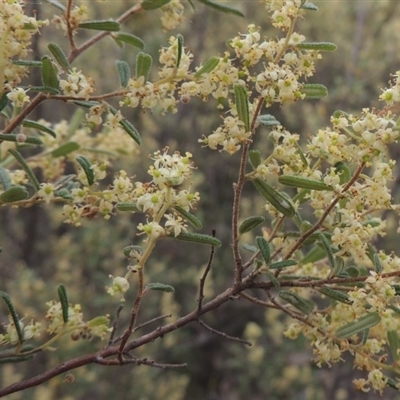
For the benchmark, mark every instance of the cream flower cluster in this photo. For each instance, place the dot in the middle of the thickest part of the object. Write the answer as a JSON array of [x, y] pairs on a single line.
[[152, 198], [55, 325], [279, 82], [172, 14], [16, 31], [76, 324], [78, 15], [29, 331], [77, 84]]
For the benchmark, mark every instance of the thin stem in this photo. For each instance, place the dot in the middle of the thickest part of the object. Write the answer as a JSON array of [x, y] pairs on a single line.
[[114, 350], [238, 188], [311, 283], [318, 224], [70, 31], [25, 112], [204, 277], [114, 326], [139, 361], [76, 52], [224, 335], [134, 314]]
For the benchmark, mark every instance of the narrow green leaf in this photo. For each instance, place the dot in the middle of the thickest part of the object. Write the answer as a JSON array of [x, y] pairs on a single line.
[[301, 154], [143, 65], [14, 316], [364, 337], [265, 251], [65, 149], [49, 73], [101, 25], [60, 56], [27, 123], [13, 194], [87, 168], [62, 294], [153, 4], [208, 66], [16, 358], [394, 343], [268, 120], [302, 196], [315, 254], [86, 104], [275, 198], [314, 90], [392, 383], [283, 264], [27, 63], [57, 4], [367, 321], [180, 49], [250, 223], [5, 178], [3, 101], [124, 72], [26, 168], [339, 267], [334, 294], [127, 207], [160, 287], [222, 8], [198, 238], [343, 170], [377, 263], [130, 39], [255, 158], [194, 221], [242, 106], [15, 137], [304, 305], [303, 183], [328, 249], [75, 121], [129, 129], [354, 272], [318, 46], [273, 279], [43, 89]]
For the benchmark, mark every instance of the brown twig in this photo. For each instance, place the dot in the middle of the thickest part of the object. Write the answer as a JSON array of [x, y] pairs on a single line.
[[254, 300], [80, 361], [311, 283], [318, 224], [204, 277], [151, 321], [24, 113], [114, 326], [125, 16], [224, 335], [237, 193], [70, 31], [134, 313], [138, 361]]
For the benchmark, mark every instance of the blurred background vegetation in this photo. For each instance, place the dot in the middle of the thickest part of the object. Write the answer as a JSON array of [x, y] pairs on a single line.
[[40, 251]]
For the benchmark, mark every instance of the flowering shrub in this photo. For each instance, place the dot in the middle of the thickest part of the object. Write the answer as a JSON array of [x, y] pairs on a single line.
[[315, 262]]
